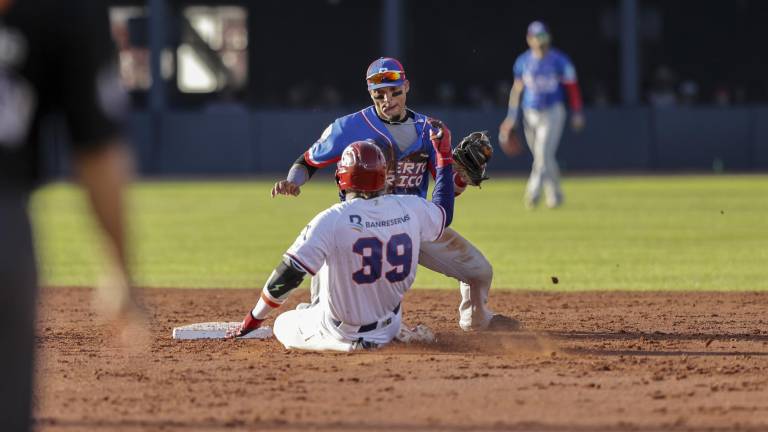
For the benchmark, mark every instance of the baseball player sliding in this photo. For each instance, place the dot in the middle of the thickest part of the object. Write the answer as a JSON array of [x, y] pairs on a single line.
[[369, 245], [404, 137], [544, 73]]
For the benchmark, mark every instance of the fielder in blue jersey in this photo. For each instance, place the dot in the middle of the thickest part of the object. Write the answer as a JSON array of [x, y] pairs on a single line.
[[410, 166], [544, 76], [406, 139]]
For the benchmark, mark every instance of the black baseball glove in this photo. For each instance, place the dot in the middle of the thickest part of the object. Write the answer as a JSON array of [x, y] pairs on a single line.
[[471, 156]]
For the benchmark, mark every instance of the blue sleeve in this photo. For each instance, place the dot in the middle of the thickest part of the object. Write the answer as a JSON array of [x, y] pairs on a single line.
[[328, 149], [567, 71], [443, 194], [518, 68]]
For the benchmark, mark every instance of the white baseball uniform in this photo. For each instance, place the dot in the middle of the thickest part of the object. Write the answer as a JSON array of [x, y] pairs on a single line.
[[409, 145], [365, 253], [456, 257]]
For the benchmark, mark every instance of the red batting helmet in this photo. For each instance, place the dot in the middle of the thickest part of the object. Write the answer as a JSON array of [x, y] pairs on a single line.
[[362, 168]]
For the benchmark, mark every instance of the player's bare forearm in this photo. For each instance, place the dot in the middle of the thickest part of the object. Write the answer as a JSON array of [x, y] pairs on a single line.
[[299, 173], [514, 94], [105, 174], [512, 110]]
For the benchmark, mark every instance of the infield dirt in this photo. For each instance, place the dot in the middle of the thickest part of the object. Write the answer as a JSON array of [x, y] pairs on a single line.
[[585, 361]]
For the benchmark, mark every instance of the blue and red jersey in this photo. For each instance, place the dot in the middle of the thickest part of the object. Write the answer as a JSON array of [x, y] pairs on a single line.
[[409, 169], [546, 79]]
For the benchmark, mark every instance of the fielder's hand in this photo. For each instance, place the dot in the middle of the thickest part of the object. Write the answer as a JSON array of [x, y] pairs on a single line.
[[248, 325], [505, 129], [285, 187], [508, 139], [441, 141], [577, 121]]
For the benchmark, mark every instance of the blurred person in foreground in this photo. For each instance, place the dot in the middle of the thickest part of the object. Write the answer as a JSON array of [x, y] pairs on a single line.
[[543, 75], [55, 57]]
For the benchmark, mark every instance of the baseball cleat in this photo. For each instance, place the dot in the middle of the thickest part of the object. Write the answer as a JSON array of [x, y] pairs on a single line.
[[554, 203], [530, 203], [362, 344]]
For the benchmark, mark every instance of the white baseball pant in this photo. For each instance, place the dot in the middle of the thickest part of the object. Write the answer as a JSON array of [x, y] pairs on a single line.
[[311, 328], [453, 256], [543, 129]]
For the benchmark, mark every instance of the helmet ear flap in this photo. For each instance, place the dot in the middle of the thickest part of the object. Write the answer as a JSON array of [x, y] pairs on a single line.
[[342, 191]]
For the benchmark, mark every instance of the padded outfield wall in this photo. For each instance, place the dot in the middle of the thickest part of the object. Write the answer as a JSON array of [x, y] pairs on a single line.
[[241, 142]]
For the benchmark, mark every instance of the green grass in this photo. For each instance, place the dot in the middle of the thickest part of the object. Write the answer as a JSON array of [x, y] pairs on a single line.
[[636, 233]]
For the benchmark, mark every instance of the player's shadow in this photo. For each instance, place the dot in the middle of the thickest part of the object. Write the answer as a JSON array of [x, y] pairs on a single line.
[[652, 344]]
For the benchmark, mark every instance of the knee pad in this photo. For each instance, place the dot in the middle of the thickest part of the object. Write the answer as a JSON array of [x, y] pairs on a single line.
[[483, 274]]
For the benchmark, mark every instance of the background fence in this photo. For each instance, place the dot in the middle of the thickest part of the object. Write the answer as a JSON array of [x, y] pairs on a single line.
[[616, 139], [240, 87]]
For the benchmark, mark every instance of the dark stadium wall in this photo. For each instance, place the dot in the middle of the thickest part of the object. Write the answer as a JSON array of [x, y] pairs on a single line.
[[616, 139]]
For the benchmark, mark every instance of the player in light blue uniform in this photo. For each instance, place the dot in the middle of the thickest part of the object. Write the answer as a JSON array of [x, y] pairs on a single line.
[[543, 75]]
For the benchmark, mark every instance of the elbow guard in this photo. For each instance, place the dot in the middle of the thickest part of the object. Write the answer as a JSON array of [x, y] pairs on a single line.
[[287, 276]]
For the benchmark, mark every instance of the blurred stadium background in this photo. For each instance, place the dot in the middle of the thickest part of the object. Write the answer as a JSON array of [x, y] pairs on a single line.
[[236, 89], [242, 87]]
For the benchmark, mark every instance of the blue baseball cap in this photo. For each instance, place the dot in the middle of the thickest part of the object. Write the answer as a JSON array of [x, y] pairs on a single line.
[[537, 28], [385, 72]]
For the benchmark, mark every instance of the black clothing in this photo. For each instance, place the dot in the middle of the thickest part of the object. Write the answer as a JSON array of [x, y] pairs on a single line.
[[55, 57], [18, 292]]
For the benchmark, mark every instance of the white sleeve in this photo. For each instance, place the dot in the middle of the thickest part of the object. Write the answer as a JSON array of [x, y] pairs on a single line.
[[313, 244], [431, 218]]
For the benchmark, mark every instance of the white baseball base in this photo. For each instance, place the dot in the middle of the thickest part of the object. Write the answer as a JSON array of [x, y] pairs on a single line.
[[216, 330]]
